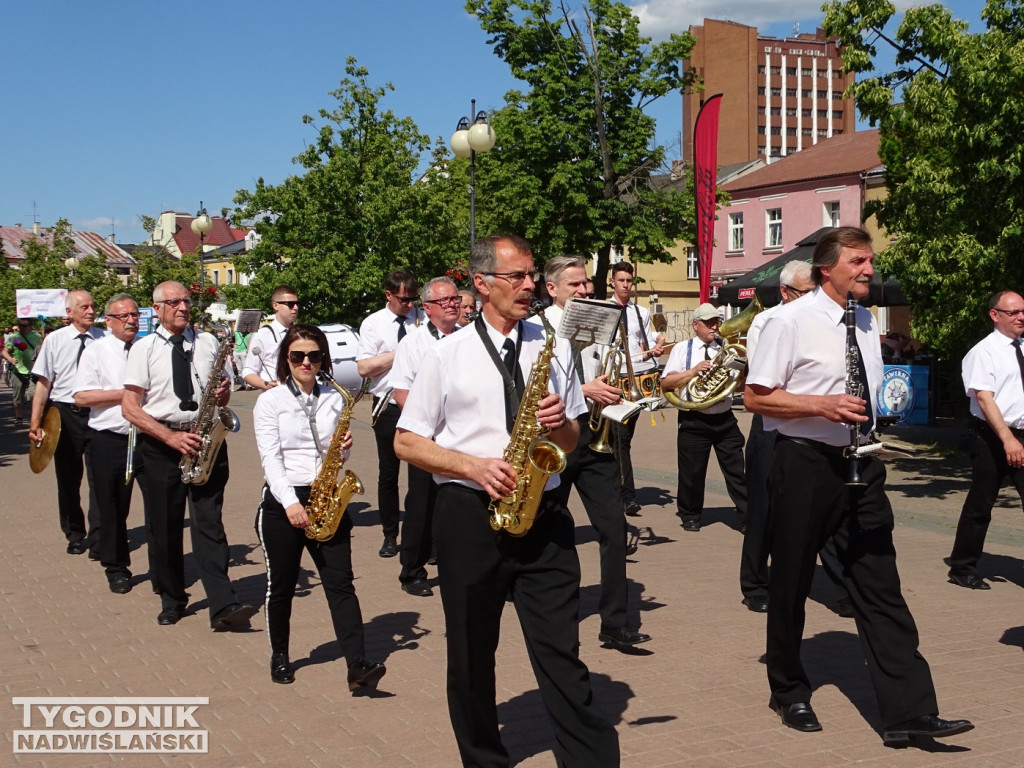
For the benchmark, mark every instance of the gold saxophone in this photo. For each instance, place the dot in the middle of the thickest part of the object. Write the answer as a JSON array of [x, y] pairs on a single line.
[[329, 497], [532, 457], [212, 424]]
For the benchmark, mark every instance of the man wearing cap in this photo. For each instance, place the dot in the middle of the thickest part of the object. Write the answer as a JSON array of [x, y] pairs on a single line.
[[702, 429]]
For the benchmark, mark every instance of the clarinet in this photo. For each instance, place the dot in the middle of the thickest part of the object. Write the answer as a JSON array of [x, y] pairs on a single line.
[[853, 387]]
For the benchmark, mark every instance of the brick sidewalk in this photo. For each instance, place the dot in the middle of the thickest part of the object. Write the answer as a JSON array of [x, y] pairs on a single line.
[[696, 695]]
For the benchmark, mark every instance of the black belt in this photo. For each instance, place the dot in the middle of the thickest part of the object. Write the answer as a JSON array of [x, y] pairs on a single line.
[[1018, 433], [72, 407], [112, 433], [816, 445], [178, 426]]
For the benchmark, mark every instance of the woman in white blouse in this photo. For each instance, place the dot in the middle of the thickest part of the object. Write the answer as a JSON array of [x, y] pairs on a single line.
[[294, 425]]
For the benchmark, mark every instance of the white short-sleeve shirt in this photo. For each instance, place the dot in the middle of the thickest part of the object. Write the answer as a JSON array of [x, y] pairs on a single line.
[[378, 334], [991, 366], [57, 360], [149, 368], [687, 354], [102, 367], [409, 355], [266, 341]]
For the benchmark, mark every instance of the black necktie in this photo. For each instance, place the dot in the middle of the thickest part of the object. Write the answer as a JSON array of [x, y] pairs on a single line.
[[81, 337], [512, 396], [862, 377], [1020, 359], [401, 327], [707, 352], [127, 346], [180, 376]]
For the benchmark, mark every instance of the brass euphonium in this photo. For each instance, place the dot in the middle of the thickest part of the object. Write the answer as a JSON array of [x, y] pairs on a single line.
[[728, 368], [329, 497]]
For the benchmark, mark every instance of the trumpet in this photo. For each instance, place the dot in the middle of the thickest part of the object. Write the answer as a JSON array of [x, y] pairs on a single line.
[[600, 426], [129, 468], [632, 392]]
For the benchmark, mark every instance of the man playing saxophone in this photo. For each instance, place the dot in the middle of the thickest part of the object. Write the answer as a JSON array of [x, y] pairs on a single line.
[[296, 430], [164, 379], [456, 426]]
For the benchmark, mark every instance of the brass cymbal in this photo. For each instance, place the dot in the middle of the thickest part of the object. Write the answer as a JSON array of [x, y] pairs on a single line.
[[39, 454]]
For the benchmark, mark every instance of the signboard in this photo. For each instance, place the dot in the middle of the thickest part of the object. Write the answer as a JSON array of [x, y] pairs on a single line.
[[41, 302], [747, 293]]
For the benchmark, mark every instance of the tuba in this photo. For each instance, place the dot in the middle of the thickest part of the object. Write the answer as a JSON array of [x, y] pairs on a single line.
[[532, 457], [329, 497], [728, 367], [212, 424]]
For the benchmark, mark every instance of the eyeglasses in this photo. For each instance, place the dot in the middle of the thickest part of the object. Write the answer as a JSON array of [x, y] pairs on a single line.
[[404, 299], [296, 356], [289, 304], [175, 303], [797, 291], [124, 315], [445, 301], [1010, 312], [515, 278]]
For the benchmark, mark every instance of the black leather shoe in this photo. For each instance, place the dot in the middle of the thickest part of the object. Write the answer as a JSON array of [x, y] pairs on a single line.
[[966, 580], [168, 616], [633, 509], [231, 616], [76, 547], [120, 584], [280, 670], [623, 637], [756, 604], [419, 588], [363, 673], [691, 525], [799, 716], [926, 725], [389, 548]]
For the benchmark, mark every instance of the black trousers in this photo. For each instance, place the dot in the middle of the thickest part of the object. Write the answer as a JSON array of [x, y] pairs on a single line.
[[478, 569], [596, 477], [417, 537], [283, 545], [810, 502], [754, 553], [388, 467], [622, 444], [698, 434], [165, 496], [68, 460], [989, 469], [107, 454]]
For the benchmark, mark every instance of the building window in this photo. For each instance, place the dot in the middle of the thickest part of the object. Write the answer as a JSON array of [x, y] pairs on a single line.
[[791, 92], [231, 277], [791, 71], [822, 94], [773, 235], [805, 112], [760, 149], [832, 213], [692, 272], [216, 277], [776, 91], [837, 114], [760, 90], [760, 69], [805, 71], [806, 93], [760, 130], [776, 111], [790, 111], [823, 113], [823, 133], [776, 130], [837, 95], [735, 231], [805, 131], [791, 131], [776, 70]]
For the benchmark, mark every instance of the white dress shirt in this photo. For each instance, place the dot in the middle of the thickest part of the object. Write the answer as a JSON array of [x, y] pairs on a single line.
[[149, 368], [102, 367], [458, 398], [57, 360], [756, 326], [591, 356], [802, 350], [409, 355], [378, 334], [636, 328], [686, 355], [991, 366], [267, 340], [285, 441]]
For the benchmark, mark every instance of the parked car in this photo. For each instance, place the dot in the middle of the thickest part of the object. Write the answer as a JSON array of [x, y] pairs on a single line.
[[344, 342]]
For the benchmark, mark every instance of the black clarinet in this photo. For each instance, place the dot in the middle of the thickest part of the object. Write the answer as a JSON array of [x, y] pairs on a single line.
[[853, 387]]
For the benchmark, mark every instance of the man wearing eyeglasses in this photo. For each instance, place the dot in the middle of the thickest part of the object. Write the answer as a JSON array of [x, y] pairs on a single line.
[[261, 360], [702, 429], [19, 351], [164, 379], [54, 371], [99, 385], [467, 307], [441, 304], [379, 335], [992, 373]]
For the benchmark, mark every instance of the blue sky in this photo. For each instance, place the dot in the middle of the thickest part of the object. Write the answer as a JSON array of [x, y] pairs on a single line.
[[116, 108]]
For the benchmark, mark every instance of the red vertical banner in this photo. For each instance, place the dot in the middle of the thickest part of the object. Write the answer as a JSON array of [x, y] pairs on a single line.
[[705, 174]]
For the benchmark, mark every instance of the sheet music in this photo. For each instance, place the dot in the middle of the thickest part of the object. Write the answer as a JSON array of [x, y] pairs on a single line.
[[248, 321], [589, 321], [620, 411]]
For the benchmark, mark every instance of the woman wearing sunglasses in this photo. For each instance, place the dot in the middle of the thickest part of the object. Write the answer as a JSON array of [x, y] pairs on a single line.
[[294, 424]]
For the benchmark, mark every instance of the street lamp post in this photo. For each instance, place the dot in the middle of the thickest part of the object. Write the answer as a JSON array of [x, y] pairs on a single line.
[[468, 139], [71, 263], [201, 224]]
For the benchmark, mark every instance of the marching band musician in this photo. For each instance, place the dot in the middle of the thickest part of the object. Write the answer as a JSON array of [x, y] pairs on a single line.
[[165, 376], [99, 385], [379, 335], [457, 427], [294, 425], [54, 371], [260, 369], [802, 367], [441, 302], [595, 475]]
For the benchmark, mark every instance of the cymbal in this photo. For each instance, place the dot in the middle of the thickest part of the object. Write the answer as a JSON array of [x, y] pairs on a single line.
[[39, 454]]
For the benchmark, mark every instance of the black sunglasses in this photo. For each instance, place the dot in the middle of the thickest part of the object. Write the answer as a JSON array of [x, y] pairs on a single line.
[[289, 304], [296, 356]]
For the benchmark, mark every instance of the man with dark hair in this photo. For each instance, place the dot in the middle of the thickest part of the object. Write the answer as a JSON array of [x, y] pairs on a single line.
[[992, 380], [456, 427], [798, 382], [379, 335], [260, 366]]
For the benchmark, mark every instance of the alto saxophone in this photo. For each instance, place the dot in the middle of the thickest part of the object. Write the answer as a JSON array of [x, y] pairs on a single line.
[[328, 498], [212, 424], [532, 457]]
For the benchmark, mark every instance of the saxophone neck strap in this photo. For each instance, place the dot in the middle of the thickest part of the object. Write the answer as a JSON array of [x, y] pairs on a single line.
[[309, 411]]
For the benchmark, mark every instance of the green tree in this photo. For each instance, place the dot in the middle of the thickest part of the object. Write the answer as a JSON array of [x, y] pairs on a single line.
[[355, 213], [575, 154], [952, 141]]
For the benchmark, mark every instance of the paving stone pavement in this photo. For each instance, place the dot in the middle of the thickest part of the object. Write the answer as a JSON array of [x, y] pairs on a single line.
[[696, 695]]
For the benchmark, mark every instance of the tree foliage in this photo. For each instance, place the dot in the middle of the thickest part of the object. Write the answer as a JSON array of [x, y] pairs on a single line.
[[575, 151], [952, 142], [354, 214]]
